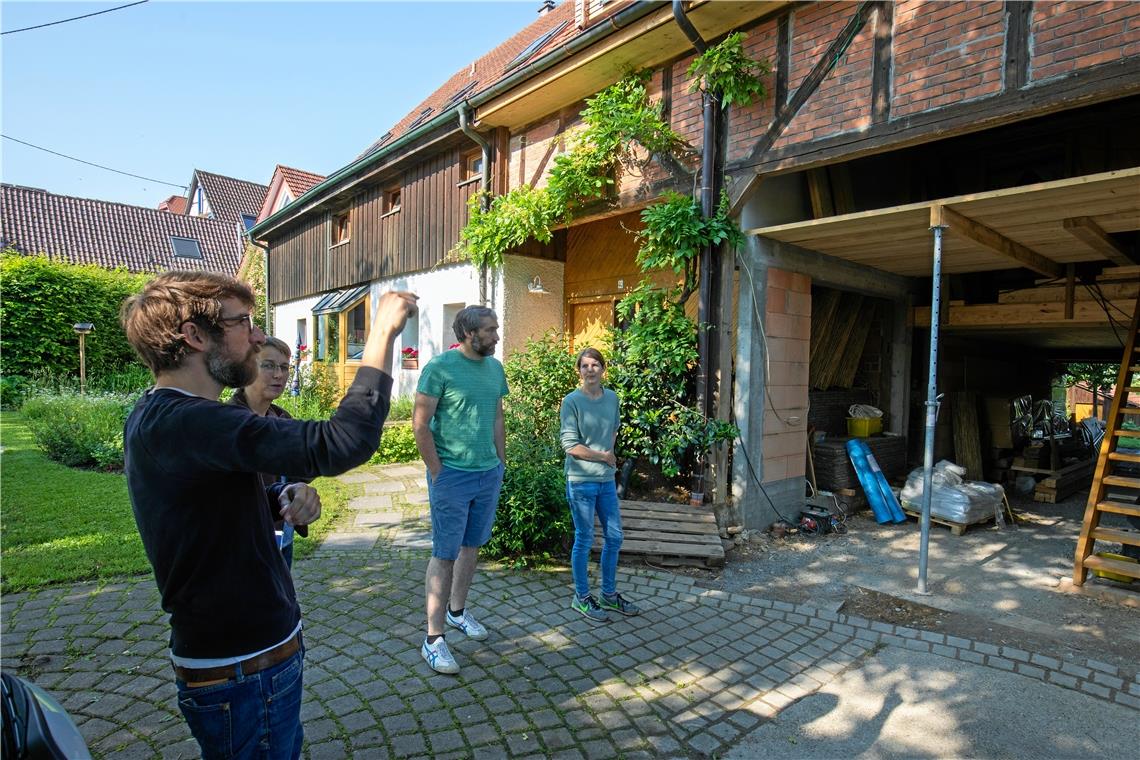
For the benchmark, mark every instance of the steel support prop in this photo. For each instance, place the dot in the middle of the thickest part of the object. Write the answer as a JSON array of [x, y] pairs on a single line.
[[932, 404]]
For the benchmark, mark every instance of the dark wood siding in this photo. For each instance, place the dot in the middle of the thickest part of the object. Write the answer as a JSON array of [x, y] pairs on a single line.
[[417, 237]]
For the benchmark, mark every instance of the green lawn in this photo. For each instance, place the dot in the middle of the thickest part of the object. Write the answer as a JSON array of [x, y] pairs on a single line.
[[60, 525]]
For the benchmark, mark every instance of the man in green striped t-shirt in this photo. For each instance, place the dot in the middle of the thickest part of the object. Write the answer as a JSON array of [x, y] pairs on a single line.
[[458, 423]]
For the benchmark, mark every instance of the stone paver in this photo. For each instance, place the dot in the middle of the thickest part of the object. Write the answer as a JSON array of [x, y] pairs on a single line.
[[696, 673]]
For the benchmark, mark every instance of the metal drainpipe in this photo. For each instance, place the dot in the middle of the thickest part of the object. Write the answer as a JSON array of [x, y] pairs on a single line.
[[709, 181], [484, 182], [268, 307]]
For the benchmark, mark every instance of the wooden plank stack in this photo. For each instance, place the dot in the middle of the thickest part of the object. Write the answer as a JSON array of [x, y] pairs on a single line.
[[840, 324], [1065, 482], [668, 534]]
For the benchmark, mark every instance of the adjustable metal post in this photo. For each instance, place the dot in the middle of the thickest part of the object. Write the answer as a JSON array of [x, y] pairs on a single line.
[[931, 407]]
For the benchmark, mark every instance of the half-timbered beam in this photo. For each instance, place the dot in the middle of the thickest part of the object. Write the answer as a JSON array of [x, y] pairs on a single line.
[[881, 74], [807, 88], [1085, 229], [963, 226], [1018, 14]]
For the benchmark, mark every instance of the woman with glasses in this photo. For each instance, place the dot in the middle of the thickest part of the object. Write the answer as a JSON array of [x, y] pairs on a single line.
[[258, 397]]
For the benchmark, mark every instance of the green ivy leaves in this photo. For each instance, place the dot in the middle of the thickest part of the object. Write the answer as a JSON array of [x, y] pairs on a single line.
[[727, 71]]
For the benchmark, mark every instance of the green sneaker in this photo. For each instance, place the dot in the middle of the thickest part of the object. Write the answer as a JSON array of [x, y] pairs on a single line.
[[589, 607], [618, 604]]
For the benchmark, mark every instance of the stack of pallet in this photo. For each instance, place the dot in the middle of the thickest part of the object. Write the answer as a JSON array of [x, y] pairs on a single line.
[[1065, 482]]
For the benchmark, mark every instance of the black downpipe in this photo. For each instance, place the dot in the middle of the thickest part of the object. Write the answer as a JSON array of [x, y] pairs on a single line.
[[710, 181], [484, 182]]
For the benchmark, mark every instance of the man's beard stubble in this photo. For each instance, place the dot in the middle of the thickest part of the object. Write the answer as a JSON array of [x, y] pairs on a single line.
[[230, 373]]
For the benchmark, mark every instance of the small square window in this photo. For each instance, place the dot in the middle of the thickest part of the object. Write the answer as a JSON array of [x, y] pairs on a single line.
[[340, 228], [185, 248], [391, 200], [248, 221], [473, 165]]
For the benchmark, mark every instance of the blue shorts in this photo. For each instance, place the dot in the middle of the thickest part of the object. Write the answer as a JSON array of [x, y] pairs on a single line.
[[462, 509]]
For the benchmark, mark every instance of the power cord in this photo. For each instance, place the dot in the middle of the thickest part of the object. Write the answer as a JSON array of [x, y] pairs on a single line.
[[763, 337], [756, 480]]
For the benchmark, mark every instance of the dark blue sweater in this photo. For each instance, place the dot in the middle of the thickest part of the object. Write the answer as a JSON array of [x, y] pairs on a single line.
[[192, 472]]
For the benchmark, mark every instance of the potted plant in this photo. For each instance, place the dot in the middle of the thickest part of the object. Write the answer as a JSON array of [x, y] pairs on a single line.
[[409, 358]]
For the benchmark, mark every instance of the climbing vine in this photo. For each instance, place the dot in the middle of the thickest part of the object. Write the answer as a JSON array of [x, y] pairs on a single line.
[[726, 70]]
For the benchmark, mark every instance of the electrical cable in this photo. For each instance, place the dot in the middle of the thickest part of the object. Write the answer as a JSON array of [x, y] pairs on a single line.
[[89, 163], [763, 337], [73, 18], [755, 479]]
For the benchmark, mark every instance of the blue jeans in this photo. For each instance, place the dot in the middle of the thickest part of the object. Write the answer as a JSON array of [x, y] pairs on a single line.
[[587, 499], [254, 716]]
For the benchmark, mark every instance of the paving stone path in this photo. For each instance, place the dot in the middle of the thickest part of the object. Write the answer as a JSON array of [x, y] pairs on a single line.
[[689, 678]]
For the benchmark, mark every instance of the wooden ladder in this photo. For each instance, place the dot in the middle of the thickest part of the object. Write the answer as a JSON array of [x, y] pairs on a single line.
[[1106, 476]]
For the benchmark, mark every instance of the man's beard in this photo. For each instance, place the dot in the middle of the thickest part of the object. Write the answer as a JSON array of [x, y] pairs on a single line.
[[230, 373], [481, 348]]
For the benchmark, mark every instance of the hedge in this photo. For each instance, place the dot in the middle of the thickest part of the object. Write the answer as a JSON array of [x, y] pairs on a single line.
[[42, 300]]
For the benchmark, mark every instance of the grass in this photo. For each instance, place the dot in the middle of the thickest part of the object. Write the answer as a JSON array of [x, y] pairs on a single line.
[[60, 524], [63, 525]]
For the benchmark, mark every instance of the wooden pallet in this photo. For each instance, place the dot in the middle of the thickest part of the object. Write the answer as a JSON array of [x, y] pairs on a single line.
[[956, 528], [670, 534]]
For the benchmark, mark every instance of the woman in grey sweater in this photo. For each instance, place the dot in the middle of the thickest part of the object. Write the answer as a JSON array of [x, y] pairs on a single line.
[[590, 421]]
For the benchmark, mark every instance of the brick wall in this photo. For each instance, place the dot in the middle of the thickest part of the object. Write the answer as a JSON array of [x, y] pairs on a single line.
[[946, 53], [1072, 35], [787, 326], [842, 103], [747, 125]]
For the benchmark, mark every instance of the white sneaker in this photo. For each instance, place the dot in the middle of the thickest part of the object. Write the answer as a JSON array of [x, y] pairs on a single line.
[[438, 656], [468, 624]]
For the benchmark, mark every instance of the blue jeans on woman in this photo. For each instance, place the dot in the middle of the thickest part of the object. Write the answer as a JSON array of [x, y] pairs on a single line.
[[587, 499], [252, 716]]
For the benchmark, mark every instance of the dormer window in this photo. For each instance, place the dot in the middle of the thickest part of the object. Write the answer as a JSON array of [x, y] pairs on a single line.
[[185, 248], [248, 221]]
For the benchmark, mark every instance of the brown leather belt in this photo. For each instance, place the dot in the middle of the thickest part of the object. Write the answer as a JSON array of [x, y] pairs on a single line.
[[255, 664]]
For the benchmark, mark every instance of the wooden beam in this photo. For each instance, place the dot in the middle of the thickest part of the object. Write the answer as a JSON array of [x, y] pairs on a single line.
[[1019, 14], [783, 58], [1070, 289], [1085, 229], [807, 88], [1096, 84], [881, 74], [962, 226], [1022, 315]]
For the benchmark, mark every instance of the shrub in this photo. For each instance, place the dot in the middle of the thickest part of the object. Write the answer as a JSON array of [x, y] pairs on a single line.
[[401, 409], [79, 431], [532, 518], [397, 444], [318, 395], [42, 301]]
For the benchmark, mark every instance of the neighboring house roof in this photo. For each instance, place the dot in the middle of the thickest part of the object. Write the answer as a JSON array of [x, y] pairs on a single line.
[[549, 30], [86, 231], [229, 198], [296, 181], [175, 204]]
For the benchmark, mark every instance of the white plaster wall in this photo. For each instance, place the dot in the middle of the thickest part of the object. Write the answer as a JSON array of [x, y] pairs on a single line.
[[285, 316], [525, 314]]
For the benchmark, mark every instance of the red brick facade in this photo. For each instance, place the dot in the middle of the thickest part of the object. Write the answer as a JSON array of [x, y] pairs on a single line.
[[1073, 35]]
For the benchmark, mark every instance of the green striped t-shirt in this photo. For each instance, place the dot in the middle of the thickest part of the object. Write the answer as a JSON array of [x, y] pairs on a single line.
[[469, 391]]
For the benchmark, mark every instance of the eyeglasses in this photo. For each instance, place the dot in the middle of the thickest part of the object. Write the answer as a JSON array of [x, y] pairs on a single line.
[[239, 319], [269, 366]]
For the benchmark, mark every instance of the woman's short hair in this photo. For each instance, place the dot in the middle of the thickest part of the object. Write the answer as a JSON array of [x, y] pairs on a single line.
[[278, 344], [153, 319], [469, 320], [592, 353]]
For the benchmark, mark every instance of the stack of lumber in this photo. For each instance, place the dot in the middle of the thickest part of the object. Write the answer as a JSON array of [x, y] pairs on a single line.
[[1065, 482], [840, 324], [833, 470]]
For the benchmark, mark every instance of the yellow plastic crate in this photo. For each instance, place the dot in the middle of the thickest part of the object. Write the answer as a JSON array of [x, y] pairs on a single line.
[[861, 427]]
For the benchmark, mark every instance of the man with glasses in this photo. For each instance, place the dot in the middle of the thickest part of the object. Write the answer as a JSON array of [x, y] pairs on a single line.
[[258, 397], [192, 468]]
